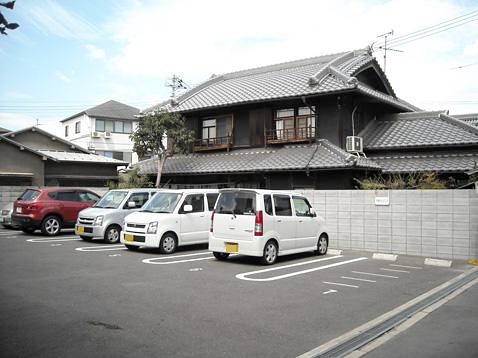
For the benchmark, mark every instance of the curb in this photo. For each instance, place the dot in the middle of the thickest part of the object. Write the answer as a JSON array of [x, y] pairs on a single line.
[[437, 262], [387, 257], [334, 252]]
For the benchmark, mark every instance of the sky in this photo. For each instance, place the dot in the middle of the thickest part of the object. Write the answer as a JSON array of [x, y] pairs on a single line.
[[71, 55]]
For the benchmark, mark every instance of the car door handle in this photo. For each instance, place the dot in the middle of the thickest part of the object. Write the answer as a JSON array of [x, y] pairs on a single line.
[[279, 221]]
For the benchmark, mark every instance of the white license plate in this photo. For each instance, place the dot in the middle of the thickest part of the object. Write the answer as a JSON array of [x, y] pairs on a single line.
[[19, 210]]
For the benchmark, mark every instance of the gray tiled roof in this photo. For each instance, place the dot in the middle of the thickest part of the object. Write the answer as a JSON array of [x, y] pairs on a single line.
[[448, 161], [322, 155], [312, 76], [418, 130], [80, 157], [471, 118], [111, 109]]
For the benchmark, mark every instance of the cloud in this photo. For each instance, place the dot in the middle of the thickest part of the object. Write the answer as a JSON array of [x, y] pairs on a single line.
[[16, 121], [61, 76], [53, 19], [95, 52]]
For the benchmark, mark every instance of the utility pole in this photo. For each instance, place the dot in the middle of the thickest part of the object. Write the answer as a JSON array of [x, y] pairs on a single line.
[[175, 84]]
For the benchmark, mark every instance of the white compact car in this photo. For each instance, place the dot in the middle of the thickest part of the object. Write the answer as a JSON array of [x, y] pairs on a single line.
[[105, 218], [170, 219], [266, 224]]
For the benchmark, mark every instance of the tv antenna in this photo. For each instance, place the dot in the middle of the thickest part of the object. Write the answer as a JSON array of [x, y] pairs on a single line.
[[385, 48]]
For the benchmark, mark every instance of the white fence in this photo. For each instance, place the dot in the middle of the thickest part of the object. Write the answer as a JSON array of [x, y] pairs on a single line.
[[431, 223]]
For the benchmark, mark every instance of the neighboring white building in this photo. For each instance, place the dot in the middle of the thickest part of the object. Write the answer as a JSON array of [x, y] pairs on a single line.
[[104, 130]]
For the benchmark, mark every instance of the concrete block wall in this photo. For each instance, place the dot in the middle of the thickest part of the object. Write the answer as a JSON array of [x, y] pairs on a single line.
[[430, 223]]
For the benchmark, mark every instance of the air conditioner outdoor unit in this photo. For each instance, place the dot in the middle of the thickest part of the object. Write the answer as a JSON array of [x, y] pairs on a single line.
[[354, 144], [95, 134], [107, 134]]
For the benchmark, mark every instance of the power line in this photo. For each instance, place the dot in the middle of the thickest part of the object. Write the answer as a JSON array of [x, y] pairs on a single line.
[[431, 30]]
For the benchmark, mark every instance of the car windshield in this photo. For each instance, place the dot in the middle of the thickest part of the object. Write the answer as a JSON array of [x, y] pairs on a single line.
[[29, 194], [162, 203], [111, 200]]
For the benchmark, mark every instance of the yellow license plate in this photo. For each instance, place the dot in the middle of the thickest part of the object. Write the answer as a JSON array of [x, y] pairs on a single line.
[[128, 237], [80, 228], [232, 247]]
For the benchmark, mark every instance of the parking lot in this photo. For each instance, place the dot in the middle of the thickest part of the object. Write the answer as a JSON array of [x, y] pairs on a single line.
[[63, 296]]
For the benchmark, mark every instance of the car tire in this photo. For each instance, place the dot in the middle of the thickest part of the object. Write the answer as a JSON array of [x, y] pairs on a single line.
[[270, 253], [51, 225], [322, 245], [7, 226], [28, 230], [112, 234], [86, 238], [221, 256], [168, 243], [132, 247]]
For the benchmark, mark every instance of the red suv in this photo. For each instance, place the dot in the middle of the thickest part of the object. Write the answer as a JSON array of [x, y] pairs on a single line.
[[51, 209]]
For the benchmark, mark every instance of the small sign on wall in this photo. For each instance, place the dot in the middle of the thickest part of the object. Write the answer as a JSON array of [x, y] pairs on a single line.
[[382, 198]]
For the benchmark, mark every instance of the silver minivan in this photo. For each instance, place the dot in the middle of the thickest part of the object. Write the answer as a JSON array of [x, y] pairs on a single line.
[[105, 218]]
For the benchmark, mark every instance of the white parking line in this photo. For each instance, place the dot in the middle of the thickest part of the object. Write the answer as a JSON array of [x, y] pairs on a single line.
[[340, 284], [101, 248], [357, 279], [41, 240], [393, 270], [410, 267], [373, 274], [243, 276], [152, 261]]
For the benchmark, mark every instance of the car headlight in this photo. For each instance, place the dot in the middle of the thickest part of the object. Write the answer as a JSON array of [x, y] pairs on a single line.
[[152, 228], [98, 220]]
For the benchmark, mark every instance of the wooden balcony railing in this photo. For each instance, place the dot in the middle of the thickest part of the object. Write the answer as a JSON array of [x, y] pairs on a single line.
[[212, 143], [300, 134]]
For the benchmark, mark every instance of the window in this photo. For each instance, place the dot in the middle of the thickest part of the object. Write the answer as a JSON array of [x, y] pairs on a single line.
[[127, 127], [295, 123], [211, 200], [77, 127], [65, 196], [237, 203], [87, 197], [209, 129], [138, 198], [119, 127], [282, 205], [197, 202], [128, 157], [100, 125], [268, 204], [302, 206], [109, 126], [66, 131]]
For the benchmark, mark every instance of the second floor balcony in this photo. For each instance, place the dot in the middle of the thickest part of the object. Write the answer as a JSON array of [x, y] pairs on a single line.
[[212, 143], [290, 135]]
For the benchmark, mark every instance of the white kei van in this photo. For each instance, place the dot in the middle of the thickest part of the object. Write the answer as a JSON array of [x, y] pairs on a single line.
[[105, 218], [170, 219], [266, 224]]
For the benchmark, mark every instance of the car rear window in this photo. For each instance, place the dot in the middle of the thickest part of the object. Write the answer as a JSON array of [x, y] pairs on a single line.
[[29, 194], [237, 203]]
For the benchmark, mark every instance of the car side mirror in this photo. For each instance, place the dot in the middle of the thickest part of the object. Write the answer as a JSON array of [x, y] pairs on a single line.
[[313, 213], [131, 204], [188, 208]]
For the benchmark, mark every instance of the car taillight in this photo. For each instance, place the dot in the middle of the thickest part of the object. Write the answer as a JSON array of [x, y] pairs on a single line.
[[259, 224], [33, 206], [212, 220]]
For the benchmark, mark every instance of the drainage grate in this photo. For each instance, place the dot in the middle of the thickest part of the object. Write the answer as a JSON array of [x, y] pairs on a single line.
[[369, 335]]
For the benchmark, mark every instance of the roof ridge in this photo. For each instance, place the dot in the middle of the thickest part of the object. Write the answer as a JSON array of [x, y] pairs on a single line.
[[459, 123], [317, 77]]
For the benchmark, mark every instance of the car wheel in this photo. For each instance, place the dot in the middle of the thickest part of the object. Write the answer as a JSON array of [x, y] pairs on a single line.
[[322, 245], [269, 256], [7, 226], [132, 247], [112, 234], [86, 238], [221, 256], [168, 243], [28, 230], [51, 225]]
